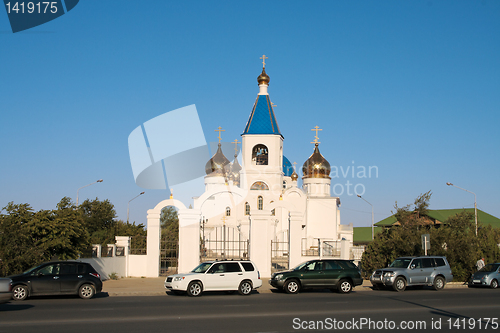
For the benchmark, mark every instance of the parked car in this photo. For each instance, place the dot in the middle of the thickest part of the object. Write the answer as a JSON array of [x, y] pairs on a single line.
[[5, 290], [488, 276], [413, 271], [335, 274], [57, 278], [228, 275]]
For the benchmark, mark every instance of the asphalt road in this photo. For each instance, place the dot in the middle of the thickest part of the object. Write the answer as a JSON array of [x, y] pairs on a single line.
[[455, 310]]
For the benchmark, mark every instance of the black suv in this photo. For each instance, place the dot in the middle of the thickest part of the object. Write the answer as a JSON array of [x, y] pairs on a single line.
[[57, 278], [334, 274]]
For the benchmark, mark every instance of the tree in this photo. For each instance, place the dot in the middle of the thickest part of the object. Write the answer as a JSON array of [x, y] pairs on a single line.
[[169, 222], [99, 220], [455, 239]]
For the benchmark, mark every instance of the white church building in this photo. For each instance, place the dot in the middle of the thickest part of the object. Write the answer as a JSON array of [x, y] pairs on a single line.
[[255, 210]]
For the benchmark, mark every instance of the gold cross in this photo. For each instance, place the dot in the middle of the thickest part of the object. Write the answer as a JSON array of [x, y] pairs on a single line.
[[316, 139], [236, 146], [294, 165], [224, 219], [264, 60], [219, 130], [273, 105]]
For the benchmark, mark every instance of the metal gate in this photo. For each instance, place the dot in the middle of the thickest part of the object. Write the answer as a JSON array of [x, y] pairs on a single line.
[[279, 256], [169, 257], [220, 249]]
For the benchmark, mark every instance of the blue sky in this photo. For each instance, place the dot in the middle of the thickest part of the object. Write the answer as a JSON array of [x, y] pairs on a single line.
[[411, 87]]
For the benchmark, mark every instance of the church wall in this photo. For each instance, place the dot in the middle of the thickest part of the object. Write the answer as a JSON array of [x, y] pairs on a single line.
[[322, 218]]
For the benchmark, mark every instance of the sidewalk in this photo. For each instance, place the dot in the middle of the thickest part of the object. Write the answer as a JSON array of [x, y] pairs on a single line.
[[154, 286]]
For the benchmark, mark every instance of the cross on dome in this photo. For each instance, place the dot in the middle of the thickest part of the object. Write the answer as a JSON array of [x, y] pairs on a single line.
[[236, 146], [316, 138], [219, 129], [264, 60]]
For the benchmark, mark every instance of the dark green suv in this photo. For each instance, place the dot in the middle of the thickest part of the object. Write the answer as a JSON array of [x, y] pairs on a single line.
[[334, 274]]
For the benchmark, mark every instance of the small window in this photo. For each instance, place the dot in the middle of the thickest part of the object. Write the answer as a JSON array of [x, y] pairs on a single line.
[[82, 269], [273, 212], [67, 269], [440, 262], [260, 155], [427, 262], [232, 267], [284, 184], [247, 208], [228, 211], [248, 266], [260, 203]]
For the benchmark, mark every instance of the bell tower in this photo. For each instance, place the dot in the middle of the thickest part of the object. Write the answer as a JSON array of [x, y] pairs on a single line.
[[262, 142]]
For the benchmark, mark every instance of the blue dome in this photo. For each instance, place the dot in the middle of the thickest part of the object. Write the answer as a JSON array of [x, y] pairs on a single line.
[[287, 167]]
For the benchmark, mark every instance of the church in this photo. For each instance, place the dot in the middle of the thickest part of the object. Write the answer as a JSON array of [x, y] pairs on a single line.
[[257, 210]]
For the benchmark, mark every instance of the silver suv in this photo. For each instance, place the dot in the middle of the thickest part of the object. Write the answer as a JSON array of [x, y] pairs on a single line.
[[413, 271]]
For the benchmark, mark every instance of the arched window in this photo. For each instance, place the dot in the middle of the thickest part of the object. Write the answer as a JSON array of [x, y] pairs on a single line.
[[273, 212], [261, 186], [247, 208], [228, 211], [260, 203], [260, 154], [284, 184]]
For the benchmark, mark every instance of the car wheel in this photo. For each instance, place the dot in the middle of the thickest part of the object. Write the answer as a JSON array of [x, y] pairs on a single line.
[[345, 286], [438, 283], [19, 293], [494, 284], [194, 289], [245, 288], [399, 284], [86, 291], [292, 287]]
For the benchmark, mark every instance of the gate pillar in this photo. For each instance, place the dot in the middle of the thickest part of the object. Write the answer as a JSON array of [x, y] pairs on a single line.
[[189, 239]]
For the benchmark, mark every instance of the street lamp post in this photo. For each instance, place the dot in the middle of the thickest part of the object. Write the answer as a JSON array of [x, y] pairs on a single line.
[[98, 181], [373, 231], [128, 204], [475, 202]]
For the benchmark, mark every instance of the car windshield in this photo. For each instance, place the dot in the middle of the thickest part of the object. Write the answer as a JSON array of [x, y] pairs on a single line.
[[489, 268], [202, 268], [32, 269], [301, 266], [400, 263]]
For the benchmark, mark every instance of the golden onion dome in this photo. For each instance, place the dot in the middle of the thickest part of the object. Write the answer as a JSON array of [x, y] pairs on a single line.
[[263, 78], [217, 165], [235, 171], [316, 166], [294, 176]]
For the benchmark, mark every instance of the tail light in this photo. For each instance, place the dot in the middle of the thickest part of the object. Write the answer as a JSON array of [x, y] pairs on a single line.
[[95, 275], [258, 274], [10, 286]]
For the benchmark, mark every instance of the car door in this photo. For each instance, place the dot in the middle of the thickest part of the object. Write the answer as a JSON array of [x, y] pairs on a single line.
[[215, 277], [233, 276], [416, 272], [45, 280], [312, 274], [69, 278], [428, 269], [333, 271]]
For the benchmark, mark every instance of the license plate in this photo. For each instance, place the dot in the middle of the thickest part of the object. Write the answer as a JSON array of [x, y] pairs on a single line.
[[476, 281], [376, 277]]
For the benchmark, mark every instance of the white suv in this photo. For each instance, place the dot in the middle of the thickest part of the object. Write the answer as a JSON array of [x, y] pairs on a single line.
[[227, 275]]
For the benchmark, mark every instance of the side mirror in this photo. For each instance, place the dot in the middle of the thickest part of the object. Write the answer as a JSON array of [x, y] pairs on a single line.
[[412, 266], [40, 274]]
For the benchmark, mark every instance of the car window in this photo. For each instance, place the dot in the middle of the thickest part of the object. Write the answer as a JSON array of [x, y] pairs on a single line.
[[67, 269], [232, 267], [202, 268], [440, 262], [217, 268], [48, 270], [310, 266], [489, 268], [332, 265], [347, 264], [427, 262], [82, 269], [248, 266], [417, 263]]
